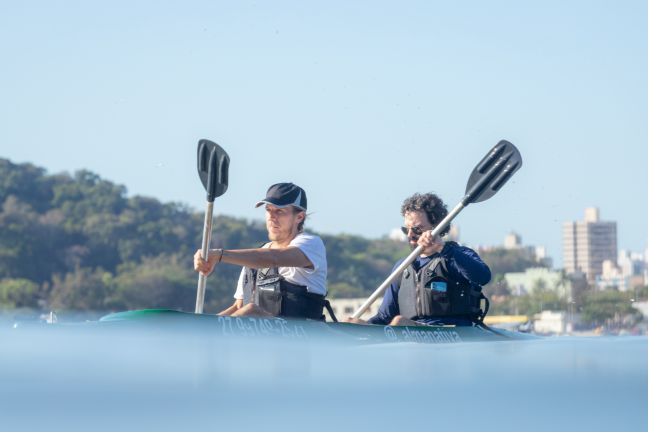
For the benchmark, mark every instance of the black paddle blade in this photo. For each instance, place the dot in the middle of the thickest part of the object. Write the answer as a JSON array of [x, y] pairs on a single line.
[[492, 172], [213, 167]]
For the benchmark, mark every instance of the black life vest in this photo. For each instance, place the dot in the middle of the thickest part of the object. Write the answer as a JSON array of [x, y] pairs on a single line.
[[269, 290], [431, 292]]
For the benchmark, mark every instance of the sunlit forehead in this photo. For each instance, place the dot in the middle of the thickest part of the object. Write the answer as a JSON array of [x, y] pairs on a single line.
[[277, 211]]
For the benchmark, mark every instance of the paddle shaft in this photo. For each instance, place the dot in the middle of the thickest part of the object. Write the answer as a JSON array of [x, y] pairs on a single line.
[[202, 279], [409, 260]]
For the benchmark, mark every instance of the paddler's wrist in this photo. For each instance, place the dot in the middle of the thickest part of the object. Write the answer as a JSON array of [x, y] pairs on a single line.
[[217, 252]]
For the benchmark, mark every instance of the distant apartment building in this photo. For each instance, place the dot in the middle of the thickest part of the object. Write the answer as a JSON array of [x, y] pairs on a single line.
[[627, 274], [538, 278], [587, 243], [513, 241]]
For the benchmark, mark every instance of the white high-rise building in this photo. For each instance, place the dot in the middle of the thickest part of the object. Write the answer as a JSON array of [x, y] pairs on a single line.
[[629, 273], [587, 243], [512, 241]]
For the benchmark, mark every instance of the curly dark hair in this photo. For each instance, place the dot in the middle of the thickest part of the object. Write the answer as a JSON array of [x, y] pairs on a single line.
[[431, 205]]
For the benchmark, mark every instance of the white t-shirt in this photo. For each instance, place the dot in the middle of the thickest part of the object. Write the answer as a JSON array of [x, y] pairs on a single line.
[[313, 279]]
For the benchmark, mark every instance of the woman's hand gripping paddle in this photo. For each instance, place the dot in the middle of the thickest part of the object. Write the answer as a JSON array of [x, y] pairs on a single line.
[[213, 166], [486, 180]]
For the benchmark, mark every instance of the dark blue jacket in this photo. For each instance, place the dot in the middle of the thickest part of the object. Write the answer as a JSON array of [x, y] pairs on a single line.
[[463, 264]]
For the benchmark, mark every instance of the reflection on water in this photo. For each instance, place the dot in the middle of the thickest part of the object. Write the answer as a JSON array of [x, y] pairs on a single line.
[[94, 376]]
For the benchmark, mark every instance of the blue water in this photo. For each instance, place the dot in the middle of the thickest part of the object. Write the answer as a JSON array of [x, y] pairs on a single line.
[[84, 377]]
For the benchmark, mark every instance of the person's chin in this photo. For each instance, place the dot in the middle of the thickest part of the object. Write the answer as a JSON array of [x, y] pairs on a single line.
[[276, 235]]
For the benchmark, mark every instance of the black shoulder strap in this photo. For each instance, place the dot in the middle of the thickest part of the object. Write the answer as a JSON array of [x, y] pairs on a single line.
[[327, 305], [486, 308]]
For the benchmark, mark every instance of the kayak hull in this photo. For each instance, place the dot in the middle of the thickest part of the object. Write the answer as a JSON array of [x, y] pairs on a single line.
[[299, 329]]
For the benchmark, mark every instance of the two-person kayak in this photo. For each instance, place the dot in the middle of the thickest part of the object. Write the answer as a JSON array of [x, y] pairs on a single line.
[[297, 329]]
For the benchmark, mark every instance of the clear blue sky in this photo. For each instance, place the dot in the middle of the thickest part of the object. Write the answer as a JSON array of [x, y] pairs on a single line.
[[360, 102]]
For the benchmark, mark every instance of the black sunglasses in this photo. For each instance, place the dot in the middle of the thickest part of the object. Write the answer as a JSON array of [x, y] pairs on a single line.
[[416, 230]]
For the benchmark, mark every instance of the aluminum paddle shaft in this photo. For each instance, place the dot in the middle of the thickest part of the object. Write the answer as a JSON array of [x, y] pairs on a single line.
[[202, 279]]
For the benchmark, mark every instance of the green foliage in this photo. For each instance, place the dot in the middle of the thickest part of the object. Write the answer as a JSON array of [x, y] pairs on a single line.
[[160, 282], [69, 235], [27, 182], [497, 286], [642, 293], [32, 245], [502, 260], [82, 289], [345, 290], [602, 307], [356, 266], [608, 307], [85, 198], [18, 293], [539, 300]]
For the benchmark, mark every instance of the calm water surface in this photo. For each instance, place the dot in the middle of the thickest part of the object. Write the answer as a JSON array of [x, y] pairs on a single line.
[[85, 377]]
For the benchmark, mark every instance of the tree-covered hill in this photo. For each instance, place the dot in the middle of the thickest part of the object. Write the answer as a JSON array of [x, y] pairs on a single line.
[[79, 242]]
